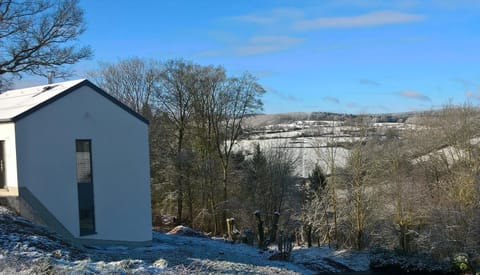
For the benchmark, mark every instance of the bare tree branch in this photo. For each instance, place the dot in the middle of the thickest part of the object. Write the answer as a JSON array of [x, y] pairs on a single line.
[[40, 36]]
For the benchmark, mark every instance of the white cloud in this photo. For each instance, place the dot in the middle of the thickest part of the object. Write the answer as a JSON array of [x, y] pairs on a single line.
[[366, 20], [290, 21], [414, 95]]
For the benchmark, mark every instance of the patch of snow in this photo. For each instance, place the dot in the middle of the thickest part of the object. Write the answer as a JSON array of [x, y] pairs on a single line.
[[325, 259], [186, 231], [110, 247]]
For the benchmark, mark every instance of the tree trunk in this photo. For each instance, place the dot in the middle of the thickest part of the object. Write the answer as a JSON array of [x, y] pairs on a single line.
[[179, 202], [261, 234], [225, 196], [273, 230], [178, 177], [334, 206], [309, 235], [214, 216], [358, 217], [190, 205]]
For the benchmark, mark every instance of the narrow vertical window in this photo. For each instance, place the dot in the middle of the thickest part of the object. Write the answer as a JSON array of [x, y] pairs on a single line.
[[85, 186], [2, 164]]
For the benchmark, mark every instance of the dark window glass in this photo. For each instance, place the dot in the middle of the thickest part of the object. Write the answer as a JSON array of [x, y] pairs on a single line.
[[84, 162], [2, 164], [85, 187]]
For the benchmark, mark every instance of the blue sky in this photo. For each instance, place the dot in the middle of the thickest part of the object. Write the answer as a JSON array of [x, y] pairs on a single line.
[[347, 56]]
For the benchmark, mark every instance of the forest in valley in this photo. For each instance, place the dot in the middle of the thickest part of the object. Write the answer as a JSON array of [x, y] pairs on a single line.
[[413, 187]]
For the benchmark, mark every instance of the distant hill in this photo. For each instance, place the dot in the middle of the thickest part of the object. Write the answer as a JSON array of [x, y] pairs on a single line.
[[262, 120]]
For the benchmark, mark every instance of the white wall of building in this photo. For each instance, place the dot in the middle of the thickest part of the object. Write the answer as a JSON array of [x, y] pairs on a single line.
[[7, 134], [120, 164]]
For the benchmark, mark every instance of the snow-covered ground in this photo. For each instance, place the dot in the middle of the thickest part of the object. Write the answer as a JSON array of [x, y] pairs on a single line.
[[26, 248], [324, 259]]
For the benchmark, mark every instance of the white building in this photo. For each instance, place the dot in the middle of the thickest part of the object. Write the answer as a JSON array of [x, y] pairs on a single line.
[[76, 159]]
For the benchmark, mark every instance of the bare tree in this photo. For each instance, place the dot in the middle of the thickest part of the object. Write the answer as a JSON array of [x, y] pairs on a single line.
[[449, 159], [328, 200], [313, 191], [358, 175], [207, 164], [180, 82], [40, 36], [270, 185], [405, 195], [195, 115], [133, 81], [235, 98]]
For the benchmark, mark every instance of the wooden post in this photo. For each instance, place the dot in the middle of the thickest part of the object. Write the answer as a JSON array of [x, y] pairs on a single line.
[[230, 223]]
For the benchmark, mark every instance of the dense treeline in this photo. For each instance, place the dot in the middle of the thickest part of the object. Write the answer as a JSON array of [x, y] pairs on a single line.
[[415, 189]]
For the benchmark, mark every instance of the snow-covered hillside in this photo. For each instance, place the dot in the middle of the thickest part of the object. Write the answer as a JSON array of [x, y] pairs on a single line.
[[310, 142]]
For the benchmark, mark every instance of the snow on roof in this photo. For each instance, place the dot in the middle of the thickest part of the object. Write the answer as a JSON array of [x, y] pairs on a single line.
[[16, 102]]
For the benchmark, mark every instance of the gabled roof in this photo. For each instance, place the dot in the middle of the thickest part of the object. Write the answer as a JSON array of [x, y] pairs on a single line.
[[16, 104]]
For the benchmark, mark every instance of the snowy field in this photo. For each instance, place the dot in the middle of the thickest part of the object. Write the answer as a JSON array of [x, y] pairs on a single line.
[[308, 142], [305, 151], [26, 248]]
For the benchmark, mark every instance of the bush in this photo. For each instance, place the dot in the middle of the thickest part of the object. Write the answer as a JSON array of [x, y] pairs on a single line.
[[461, 263], [285, 245], [394, 263]]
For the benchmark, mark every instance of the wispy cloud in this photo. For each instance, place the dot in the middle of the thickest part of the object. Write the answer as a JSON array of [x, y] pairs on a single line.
[[267, 44], [378, 18], [369, 82], [353, 105], [270, 17], [262, 74], [464, 82], [472, 95], [293, 22], [281, 95], [211, 53], [254, 46], [367, 109], [257, 49], [414, 95], [257, 19], [382, 108], [331, 99], [356, 108]]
